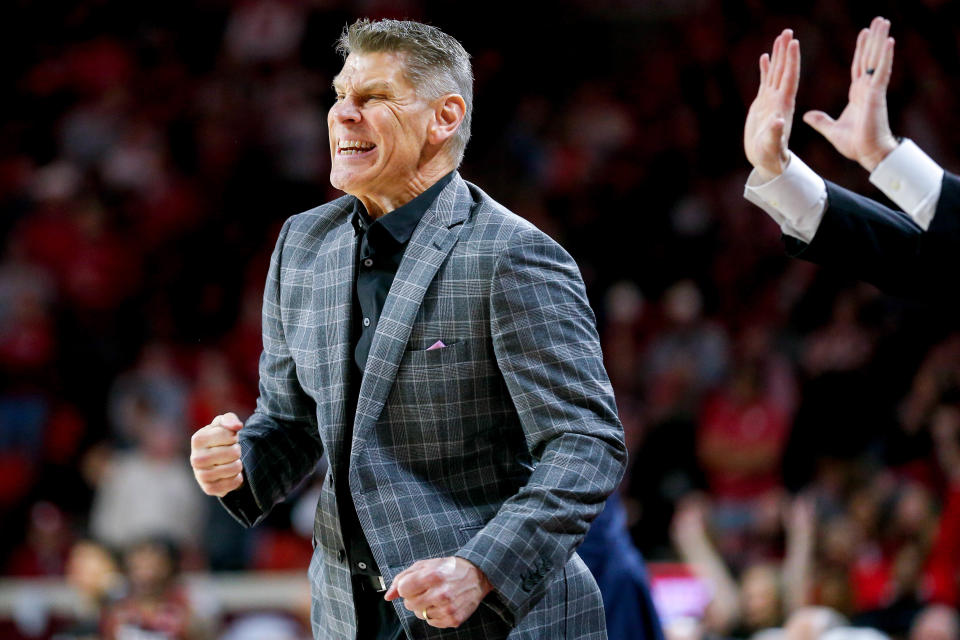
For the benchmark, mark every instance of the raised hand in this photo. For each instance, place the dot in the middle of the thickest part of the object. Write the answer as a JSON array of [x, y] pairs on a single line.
[[689, 526], [862, 132], [766, 133], [215, 456], [800, 518]]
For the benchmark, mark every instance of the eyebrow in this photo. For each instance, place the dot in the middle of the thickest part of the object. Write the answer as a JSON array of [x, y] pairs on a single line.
[[370, 87]]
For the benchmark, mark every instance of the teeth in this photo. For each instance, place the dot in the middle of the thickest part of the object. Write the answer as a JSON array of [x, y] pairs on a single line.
[[348, 146]]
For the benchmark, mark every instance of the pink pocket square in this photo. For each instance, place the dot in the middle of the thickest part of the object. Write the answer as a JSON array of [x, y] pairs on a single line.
[[436, 345]]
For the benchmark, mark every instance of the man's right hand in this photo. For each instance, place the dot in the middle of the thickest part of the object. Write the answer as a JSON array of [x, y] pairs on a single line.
[[767, 131], [215, 456]]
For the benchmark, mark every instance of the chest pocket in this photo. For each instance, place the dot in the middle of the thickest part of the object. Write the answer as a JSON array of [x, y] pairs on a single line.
[[447, 393]]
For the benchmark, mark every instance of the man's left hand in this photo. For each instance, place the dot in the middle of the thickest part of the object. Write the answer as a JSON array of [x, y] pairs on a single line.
[[442, 591], [862, 132]]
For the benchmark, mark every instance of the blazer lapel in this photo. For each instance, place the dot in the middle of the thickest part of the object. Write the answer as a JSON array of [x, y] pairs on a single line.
[[335, 265], [429, 246]]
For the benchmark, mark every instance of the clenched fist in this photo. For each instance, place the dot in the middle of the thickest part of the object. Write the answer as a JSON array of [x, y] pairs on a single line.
[[443, 592], [215, 456]]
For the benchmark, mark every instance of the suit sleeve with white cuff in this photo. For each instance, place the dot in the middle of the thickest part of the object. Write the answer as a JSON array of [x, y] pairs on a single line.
[[904, 253]]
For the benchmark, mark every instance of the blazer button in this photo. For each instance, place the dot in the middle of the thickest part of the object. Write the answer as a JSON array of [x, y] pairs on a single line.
[[366, 322], [341, 554], [368, 262]]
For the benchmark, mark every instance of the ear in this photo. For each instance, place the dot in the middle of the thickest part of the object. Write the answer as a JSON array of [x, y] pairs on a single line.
[[447, 117]]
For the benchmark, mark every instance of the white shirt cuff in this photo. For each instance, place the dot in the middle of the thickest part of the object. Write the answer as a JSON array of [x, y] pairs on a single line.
[[911, 180], [796, 199]]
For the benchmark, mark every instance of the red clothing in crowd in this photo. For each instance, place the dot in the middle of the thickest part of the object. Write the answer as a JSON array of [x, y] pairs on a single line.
[[740, 444], [872, 575], [943, 563]]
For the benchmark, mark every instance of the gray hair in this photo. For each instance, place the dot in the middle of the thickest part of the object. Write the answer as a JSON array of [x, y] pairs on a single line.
[[436, 63]]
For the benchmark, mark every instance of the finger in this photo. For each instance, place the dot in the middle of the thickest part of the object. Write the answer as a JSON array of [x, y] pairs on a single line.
[[229, 421], [393, 591], [445, 612], [219, 472], [417, 582], [212, 456], [856, 69], [416, 605], [881, 76], [212, 436], [883, 31], [791, 75], [764, 69], [820, 121], [775, 135], [221, 488], [774, 53], [434, 615], [438, 609], [780, 58], [879, 29], [773, 60]]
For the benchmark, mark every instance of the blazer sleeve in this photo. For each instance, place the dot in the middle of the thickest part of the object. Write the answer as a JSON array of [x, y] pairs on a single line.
[[866, 240], [871, 242], [280, 443], [944, 231], [546, 346]]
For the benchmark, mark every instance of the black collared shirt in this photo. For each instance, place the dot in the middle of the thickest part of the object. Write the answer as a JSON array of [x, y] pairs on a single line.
[[379, 252], [380, 249]]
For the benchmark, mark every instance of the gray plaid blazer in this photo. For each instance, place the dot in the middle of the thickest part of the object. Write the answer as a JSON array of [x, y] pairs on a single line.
[[500, 448]]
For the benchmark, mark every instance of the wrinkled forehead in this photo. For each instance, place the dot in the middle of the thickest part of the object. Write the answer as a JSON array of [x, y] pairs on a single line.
[[381, 68]]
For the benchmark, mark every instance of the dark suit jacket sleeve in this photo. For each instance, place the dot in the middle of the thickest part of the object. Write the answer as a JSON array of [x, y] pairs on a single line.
[[547, 348], [946, 221], [279, 443], [869, 241]]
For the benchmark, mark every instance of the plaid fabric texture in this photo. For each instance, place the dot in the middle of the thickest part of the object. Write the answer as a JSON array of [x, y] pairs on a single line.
[[500, 448]]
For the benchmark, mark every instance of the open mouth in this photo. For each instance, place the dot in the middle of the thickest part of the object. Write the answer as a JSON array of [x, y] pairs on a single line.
[[354, 147]]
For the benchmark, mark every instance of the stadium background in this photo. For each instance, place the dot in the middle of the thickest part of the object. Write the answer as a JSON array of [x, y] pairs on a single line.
[[150, 151]]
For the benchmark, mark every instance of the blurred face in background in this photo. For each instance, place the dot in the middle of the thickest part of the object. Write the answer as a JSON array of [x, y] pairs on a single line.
[[913, 514], [91, 570], [839, 539], [150, 569], [378, 128]]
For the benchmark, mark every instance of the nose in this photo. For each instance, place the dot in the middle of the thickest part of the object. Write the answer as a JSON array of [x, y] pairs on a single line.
[[345, 110]]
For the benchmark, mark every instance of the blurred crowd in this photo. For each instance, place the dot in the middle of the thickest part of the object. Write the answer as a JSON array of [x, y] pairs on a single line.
[[794, 436]]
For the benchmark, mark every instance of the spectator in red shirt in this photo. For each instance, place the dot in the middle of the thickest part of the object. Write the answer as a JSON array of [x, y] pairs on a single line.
[[740, 440]]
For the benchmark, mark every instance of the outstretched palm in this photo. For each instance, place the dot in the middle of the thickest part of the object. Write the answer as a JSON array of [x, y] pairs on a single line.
[[862, 132], [766, 134]]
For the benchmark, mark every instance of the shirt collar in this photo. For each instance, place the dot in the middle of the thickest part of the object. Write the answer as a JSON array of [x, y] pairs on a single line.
[[402, 221]]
